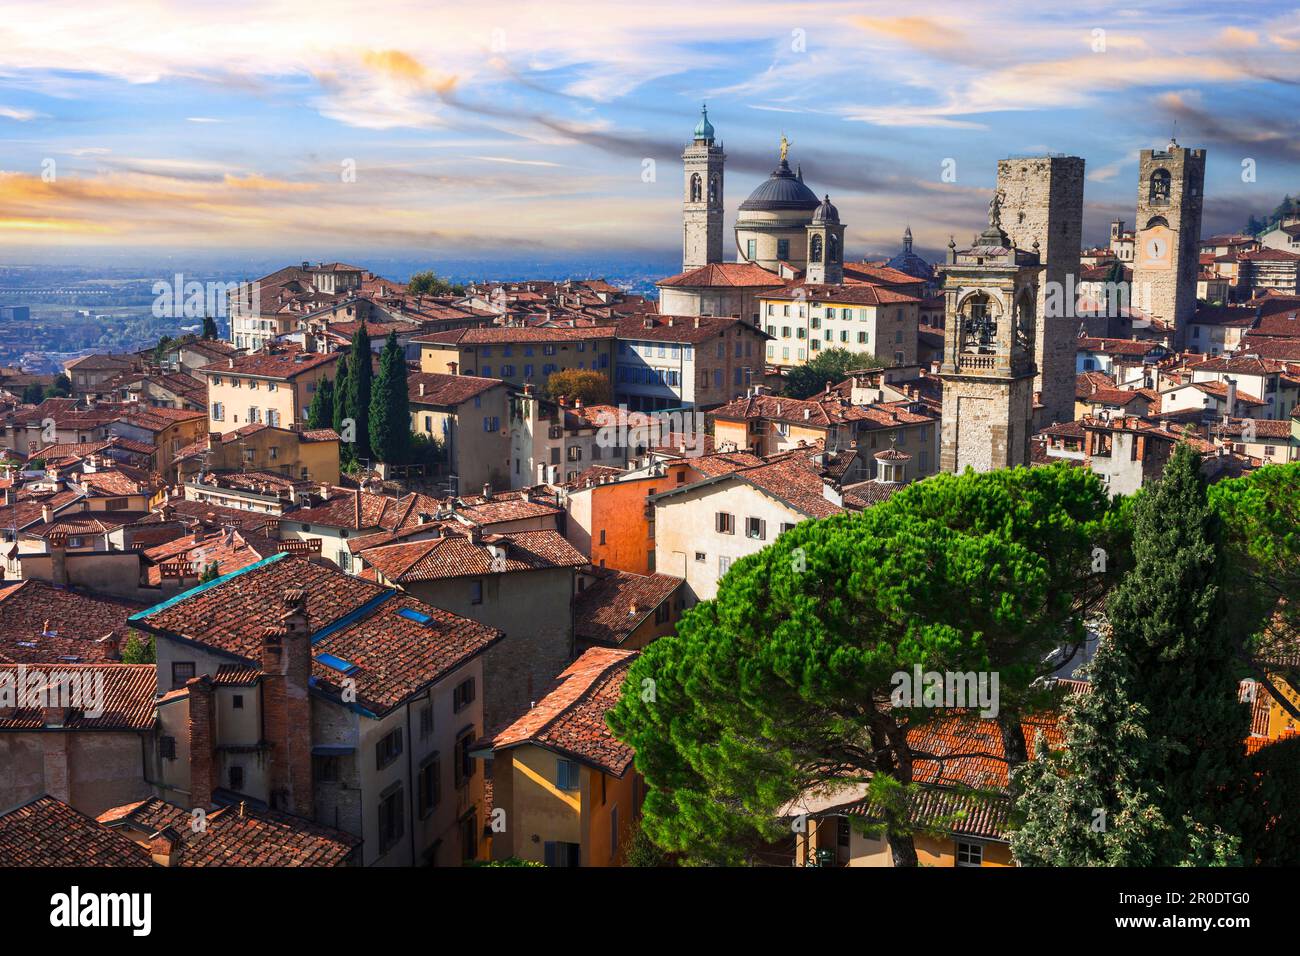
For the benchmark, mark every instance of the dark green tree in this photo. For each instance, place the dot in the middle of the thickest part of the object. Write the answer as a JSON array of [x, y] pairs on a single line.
[[341, 386], [360, 380], [210, 327], [830, 365], [138, 649], [321, 412], [1152, 771], [33, 394], [782, 683], [428, 283], [61, 388], [390, 407]]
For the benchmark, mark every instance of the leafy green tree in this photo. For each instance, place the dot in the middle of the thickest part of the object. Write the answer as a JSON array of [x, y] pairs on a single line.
[[210, 572], [360, 376], [830, 365], [321, 412], [1152, 770], [574, 383], [139, 649], [33, 394], [390, 407], [210, 328], [428, 283], [61, 388], [782, 683]]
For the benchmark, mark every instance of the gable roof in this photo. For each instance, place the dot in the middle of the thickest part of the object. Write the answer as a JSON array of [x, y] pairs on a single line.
[[39, 622], [128, 695], [734, 275], [609, 610], [48, 832], [452, 555], [570, 717]]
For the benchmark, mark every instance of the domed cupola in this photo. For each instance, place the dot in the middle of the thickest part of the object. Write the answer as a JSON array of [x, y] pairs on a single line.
[[826, 213], [909, 262], [781, 191], [704, 129]]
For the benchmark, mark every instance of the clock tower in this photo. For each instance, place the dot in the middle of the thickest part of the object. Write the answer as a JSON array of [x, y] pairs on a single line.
[[1166, 246], [990, 310]]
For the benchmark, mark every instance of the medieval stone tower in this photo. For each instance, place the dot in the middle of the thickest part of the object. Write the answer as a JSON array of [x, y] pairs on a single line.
[[702, 199], [1171, 188], [990, 307], [1043, 203]]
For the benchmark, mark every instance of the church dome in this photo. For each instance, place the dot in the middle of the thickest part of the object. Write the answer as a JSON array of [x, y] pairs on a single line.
[[826, 213], [704, 129], [782, 190], [909, 262]]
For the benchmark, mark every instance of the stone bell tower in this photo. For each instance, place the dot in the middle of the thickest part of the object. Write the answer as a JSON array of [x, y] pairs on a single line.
[[1171, 187], [702, 207], [988, 368]]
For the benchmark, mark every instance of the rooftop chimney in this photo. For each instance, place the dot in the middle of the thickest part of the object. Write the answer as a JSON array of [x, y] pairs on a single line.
[[165, 847], [421, 387], [286, 662]]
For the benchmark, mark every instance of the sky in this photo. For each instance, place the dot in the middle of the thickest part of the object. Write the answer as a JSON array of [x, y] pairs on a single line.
[[341, 130]]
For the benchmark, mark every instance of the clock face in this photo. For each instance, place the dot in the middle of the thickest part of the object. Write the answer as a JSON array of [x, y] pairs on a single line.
[[1155, 249]]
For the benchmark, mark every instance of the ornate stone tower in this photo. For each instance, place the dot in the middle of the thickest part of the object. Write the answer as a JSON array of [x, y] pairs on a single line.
[[1044, 204], [990, 305], [702, 199], [1171, 186], [825, 246]]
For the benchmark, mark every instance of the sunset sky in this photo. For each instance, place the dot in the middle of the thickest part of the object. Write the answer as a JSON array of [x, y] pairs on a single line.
[[492, 128]]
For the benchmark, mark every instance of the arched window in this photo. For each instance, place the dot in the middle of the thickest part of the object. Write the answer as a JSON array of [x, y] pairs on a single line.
[[832, 249], [1160, 185], [815, 249], [715, 186], [696, 185], [979, 327], [1157, 221]]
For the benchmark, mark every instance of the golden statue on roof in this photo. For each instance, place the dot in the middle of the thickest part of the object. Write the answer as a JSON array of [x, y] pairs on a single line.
[[785, 147]]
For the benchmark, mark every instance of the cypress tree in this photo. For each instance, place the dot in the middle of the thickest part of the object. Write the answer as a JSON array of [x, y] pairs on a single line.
[[321, 412], [341, 407], [360, 374], [390, 412], [1153, 767]]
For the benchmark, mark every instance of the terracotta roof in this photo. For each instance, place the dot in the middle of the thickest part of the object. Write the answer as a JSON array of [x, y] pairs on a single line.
[[239, 835], [128, 695], [1116, 346], [724, 274], [42, 623], [395, 654], [570, 717], [440, 389], [681, 328], [1239, 365], [194, 553], [285, 362], [358, 510], [522, 334], [610, 609], [1265, 428], [823, 413], [48, 832], [854, 293], [453, 555]]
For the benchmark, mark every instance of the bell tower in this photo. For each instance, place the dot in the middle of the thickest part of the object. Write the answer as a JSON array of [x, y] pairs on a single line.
[[988, 368], [1166, 249], [702, 206], [825, 246]]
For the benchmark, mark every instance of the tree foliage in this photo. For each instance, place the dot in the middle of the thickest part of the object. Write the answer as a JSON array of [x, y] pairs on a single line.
[[139, 649], [587, 385], [390, 408], [428, 283], [320, 414], [830, 365], [1152, 768], [781, 683], [360, 377]]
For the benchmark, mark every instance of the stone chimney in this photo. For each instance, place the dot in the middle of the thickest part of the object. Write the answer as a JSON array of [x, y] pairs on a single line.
[[452, 368], [286, 664], [202, 745], [47, 514], [58, 545], [475, 534], [487, 490], [420, 386], [165, 847]]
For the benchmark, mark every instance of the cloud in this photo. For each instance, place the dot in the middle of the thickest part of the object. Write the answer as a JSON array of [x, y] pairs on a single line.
[[13, 113]]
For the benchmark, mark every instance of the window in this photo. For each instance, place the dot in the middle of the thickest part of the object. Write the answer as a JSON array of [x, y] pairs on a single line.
[[724, 565], [783, 249], [464, 762], [391, 818], [426, 721], [663, 612], [602, 535], [326, 767], [167, 748], [751, 249], [756, 528], [724, 523], [701, 556], [389, 748], [218, 412], [561, 854], [970, 854], [428, 785], [182, 671], [476, 592], [786, 526], [236, 777], [463, 695], [237, 702], [469, 836], [568, 775], [613, 832]]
